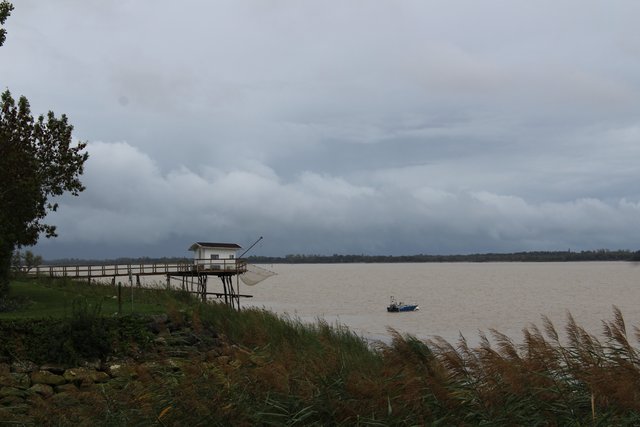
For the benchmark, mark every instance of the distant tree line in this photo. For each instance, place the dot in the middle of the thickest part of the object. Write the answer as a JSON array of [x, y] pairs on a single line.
[[536, 256]]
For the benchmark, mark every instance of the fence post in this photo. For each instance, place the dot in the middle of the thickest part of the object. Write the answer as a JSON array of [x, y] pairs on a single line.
[[119, 297]]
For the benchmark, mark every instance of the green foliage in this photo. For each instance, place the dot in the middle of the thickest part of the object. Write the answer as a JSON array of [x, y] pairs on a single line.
[[84, 335], [52, 297], [38, 161], [5, 11]]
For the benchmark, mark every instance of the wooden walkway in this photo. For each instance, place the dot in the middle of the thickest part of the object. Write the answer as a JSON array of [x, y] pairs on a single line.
[[209, 267], [187, 273]]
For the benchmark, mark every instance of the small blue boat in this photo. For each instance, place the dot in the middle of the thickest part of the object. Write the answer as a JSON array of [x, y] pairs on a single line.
[[397, 306]]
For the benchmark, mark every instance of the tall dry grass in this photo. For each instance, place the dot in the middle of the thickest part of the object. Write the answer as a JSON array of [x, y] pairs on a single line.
[[285, 372]]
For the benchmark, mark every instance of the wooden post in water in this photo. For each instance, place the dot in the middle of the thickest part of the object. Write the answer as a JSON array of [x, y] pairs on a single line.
[[224, 286], [230, 294], [238, 287], [202, 286]]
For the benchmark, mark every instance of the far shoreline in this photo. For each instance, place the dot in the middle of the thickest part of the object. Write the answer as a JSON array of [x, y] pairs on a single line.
[[531, 256]]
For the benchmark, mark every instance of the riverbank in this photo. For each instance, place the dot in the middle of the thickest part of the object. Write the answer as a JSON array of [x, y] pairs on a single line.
[[195, 363]]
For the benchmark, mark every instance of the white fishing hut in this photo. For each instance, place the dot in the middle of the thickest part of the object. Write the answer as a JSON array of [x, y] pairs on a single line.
[[216, 255]]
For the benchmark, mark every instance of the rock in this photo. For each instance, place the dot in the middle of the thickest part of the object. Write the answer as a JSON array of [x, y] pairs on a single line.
[[54, 369], [84, 376], [189, 338], [122, 371], [101, 377], [65, 388], [44, 390], [46, 377], [92, 364], [23, 367]]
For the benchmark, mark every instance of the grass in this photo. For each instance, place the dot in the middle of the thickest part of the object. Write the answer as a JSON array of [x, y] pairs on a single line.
[[272, 370], [53, 298]]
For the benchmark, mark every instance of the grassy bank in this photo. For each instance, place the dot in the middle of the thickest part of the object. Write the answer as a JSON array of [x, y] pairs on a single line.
[[255, 368], [44, 297]]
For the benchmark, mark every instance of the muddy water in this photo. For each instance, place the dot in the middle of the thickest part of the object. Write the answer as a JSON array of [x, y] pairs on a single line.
[[454, 298]]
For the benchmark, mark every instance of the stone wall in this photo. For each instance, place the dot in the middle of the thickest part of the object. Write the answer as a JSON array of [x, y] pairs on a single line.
[[24, 384]]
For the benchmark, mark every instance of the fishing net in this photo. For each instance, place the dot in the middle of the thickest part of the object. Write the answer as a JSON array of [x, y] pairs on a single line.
[[255, 275]]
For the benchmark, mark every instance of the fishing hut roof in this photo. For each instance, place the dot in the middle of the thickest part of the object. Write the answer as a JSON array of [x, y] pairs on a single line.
[[197, 245]]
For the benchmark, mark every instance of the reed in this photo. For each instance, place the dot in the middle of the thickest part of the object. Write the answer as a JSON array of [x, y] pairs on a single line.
[[278, 370]]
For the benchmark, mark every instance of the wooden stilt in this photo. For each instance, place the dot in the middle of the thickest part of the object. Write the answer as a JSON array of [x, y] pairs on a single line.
[[233, 297], [238, 289], [202, 286], [224, 287]]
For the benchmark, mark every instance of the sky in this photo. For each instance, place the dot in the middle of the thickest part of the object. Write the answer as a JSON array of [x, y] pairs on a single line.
[[378, 127]]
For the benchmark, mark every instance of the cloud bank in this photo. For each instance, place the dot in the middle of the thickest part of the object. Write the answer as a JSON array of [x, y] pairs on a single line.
[[394, 127]]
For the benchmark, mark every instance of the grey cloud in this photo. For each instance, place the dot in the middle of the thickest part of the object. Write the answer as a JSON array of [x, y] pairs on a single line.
[[129, 202], [386, 127]]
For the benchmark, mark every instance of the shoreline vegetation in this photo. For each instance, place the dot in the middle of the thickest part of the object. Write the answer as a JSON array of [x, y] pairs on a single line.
[[67, 357], [531, 256]]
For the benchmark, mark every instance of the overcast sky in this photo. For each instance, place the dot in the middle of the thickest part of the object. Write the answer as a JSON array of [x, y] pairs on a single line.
[[350, 127]]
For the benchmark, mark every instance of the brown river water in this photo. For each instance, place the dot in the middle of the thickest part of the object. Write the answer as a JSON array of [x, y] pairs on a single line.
[[454, 298]]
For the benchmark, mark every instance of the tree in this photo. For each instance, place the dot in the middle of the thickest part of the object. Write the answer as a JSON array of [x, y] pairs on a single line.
[[5, 11], [38, 161], [25, 261]]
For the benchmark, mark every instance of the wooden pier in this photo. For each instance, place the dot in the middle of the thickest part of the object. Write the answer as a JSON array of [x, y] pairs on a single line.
[[193, 275]]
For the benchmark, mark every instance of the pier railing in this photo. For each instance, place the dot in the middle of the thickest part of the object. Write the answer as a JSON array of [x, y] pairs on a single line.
[[199, 266]]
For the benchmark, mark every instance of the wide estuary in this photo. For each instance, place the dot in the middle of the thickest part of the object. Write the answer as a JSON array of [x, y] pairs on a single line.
[[454, 298]]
